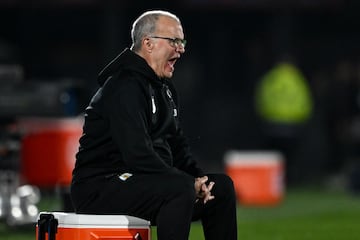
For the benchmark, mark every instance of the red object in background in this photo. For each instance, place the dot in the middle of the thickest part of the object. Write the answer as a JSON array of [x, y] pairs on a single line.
[[48, 150], [258, 177]]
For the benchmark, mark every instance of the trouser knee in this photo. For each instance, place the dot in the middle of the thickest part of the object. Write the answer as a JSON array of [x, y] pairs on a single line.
[[224, 186]]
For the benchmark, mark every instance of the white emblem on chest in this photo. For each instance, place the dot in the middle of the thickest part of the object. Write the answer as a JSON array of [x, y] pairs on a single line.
[[168, 92]]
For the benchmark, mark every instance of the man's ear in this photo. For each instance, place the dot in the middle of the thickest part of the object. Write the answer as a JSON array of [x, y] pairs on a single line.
[[148, 44]]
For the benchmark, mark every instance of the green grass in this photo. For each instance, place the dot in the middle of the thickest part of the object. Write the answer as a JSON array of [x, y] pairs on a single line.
[[303, 215]]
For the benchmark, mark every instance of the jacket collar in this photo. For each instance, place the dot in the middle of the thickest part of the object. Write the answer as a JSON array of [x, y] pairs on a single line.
[[128, 60]]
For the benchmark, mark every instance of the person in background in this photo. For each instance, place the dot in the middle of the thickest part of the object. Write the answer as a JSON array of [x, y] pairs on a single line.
[[133, 157]]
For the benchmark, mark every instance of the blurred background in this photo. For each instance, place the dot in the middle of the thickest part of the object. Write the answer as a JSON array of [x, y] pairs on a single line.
[[259, 75]]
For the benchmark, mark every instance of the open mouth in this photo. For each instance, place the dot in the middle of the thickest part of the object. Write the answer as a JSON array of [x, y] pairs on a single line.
[[172, 62]]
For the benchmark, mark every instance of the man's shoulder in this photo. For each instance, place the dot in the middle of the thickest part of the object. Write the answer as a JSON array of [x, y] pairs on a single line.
[[126, 81]]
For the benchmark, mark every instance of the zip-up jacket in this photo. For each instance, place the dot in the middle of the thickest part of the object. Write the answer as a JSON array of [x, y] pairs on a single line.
[[132, 124]]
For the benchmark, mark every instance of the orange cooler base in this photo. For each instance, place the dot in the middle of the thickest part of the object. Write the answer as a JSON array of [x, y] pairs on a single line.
[[105, 227], [93, 234], [257, 176]]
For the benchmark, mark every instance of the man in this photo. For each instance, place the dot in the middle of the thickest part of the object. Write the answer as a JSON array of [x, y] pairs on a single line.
[[133, 158]]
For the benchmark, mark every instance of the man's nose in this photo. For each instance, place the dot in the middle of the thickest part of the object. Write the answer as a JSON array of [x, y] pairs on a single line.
[[180, 49]]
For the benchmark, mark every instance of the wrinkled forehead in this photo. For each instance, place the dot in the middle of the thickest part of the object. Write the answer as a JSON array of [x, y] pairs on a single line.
[[169, 25]]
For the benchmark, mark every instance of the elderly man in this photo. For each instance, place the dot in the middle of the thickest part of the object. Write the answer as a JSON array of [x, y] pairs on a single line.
[[133, 157]]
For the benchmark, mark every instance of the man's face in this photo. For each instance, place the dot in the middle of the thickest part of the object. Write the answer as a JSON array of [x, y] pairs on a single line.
[[165, 53]]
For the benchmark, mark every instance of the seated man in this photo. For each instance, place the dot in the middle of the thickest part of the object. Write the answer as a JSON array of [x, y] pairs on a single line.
[[133, 157]]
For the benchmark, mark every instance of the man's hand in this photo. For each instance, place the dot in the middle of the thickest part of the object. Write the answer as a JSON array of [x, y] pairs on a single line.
[[202, 190]]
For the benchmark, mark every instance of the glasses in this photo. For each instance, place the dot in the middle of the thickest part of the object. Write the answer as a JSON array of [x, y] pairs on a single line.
[[174, 42]]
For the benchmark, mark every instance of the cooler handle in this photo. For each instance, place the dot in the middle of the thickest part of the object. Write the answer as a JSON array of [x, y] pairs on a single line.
[[47, 224], [99, 235], [137, 236]]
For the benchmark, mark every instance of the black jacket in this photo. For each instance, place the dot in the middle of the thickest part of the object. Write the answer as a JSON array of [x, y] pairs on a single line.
[[131, 124]]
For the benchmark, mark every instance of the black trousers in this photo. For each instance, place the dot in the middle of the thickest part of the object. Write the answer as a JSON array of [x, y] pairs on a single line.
[[167, 200]]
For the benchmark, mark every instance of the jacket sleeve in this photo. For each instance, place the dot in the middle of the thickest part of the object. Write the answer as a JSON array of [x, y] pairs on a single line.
[[181, 151], [182, 156], [126, 106]]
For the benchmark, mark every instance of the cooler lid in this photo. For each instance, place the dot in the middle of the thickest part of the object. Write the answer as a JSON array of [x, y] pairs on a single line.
[[89, 220], [253, 158]]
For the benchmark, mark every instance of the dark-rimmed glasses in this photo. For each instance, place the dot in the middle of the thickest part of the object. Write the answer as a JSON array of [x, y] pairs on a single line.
[[174, 42]]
